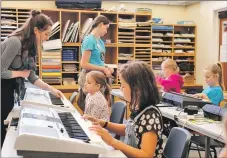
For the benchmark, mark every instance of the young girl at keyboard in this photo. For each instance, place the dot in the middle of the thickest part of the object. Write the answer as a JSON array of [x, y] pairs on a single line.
[[96, 102], [213, 77], [143, 131], [172, 81]]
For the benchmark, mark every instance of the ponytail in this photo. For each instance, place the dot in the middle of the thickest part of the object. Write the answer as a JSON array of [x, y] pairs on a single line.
[[217, 70], [220, 76], [107, 94]]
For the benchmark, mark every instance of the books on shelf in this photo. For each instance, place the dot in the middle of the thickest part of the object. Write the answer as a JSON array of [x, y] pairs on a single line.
[[55, 29], [71, 32], [51, 67], [52, 44], [86, 27]]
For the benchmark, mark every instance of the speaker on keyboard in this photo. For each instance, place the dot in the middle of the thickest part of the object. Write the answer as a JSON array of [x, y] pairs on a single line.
[[214, 112]]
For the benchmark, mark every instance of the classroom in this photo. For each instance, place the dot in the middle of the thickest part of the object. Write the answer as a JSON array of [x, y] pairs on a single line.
[[113, 78]]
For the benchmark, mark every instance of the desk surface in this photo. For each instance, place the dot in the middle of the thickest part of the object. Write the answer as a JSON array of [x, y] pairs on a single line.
[[212, 130], [9, 151], [8, 145]]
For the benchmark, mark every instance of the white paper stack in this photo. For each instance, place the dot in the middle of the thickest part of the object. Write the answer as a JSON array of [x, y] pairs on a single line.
[[52, 44]]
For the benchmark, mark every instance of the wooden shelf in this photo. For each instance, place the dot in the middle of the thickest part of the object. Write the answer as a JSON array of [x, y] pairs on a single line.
[[141, 48], [184, 54], [162, 54], [70, 62], [70, 44], [65, 72]]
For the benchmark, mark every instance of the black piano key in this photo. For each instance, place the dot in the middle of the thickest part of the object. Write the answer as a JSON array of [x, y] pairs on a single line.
[[72, 127]]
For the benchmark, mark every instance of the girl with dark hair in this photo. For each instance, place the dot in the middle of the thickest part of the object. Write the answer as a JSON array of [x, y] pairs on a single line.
[[93, 54], [18, 61], [143, 131], [96, 102]]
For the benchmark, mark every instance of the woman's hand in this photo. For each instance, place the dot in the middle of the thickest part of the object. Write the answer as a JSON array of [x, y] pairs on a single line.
[[56, 92], [107, 72], [103, 133], [111, 70]]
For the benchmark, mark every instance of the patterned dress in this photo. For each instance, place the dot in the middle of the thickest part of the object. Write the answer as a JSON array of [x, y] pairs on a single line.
[[97, 106]]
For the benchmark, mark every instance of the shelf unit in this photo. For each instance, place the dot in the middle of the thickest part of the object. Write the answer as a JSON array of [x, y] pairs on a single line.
[[134, 42], [127, 44], [178, 44]]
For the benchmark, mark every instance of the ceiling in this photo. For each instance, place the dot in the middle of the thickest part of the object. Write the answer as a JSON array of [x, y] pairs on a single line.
[[182, 3]]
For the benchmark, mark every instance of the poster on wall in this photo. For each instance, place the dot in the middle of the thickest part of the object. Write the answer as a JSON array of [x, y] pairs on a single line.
[[223, 47]]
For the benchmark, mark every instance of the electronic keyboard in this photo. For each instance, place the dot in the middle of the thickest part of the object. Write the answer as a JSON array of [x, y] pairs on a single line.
[[41, 97], [47, 132], [182, 100]]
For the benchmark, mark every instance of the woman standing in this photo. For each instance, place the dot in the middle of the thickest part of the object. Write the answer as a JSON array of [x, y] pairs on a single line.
[[93, 54], [18, 61]]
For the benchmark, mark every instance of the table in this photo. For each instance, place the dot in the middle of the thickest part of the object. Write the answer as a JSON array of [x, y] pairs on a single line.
[[211, 130], [9, 151], [8, 145]]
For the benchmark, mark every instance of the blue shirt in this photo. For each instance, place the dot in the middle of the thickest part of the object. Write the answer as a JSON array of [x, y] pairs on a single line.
[[97, 48], [215, 94]]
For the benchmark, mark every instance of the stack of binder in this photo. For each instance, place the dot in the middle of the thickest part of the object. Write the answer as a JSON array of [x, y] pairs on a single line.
[[69, 54], [71, 32]]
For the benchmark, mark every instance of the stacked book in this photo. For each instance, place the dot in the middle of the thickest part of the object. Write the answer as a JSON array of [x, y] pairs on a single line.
[[51, 62], [69, 54], [69, 68]]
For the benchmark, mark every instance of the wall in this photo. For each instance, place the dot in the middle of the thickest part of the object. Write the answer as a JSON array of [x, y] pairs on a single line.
[[205, 15], [170, 14]]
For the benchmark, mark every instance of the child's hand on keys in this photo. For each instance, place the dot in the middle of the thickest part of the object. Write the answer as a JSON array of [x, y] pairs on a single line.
[[94, 120], [103, 133]]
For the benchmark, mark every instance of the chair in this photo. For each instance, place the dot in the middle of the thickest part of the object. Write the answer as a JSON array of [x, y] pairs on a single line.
[[73, 97], [199, 141], [117, 114], [177, 143]]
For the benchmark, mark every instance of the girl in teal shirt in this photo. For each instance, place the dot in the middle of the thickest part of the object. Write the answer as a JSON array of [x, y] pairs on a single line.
[[214, 92], [93, 54]]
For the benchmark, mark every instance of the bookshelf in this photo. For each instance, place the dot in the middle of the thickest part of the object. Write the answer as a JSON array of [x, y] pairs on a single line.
[[130, 38], [176, 42]]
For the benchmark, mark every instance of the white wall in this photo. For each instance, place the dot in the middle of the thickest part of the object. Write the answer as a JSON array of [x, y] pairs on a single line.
[[205, 15]]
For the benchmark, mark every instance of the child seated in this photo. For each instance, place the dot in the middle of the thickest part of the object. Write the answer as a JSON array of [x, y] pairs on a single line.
[[96, 104], [172, 81], [213, 77]]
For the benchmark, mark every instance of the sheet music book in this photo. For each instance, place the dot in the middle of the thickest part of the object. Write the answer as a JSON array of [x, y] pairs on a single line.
[[55, 28], [65, 29], [68, 32], [52, 44]]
